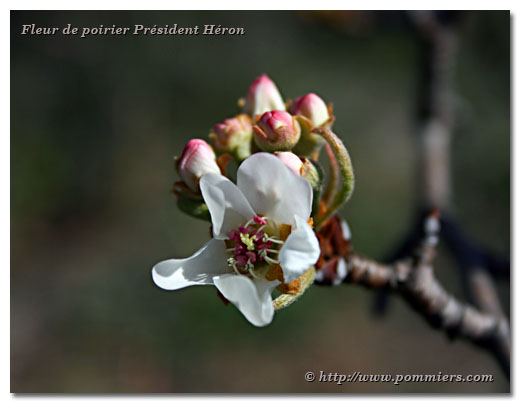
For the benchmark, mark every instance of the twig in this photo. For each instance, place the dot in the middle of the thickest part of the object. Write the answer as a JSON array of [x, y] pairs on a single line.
[[436, 116], [414, 279], [477, 264]]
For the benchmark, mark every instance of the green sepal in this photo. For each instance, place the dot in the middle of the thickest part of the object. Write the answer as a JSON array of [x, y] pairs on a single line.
[[309, 143], [194, 207]]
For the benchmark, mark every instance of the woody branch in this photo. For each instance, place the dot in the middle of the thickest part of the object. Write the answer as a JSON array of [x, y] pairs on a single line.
[[486, 324], [413, 278]]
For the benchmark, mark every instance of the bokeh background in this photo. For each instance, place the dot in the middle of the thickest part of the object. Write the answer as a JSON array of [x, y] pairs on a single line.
[[95, 124]]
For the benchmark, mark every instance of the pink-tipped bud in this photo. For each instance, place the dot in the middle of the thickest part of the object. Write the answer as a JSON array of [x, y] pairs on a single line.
[[196, 160], [233, 136], [276, 131], [312, 107], [263, 96], [291, 160]]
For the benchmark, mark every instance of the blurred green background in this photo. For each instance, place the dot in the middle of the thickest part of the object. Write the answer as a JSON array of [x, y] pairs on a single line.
[[95, 124]]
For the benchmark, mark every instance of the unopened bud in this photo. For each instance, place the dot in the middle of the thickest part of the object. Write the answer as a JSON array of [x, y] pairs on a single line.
[[312, 107], [276, 131], [233, 136], [196, 160], [263, 96], [291, 160]]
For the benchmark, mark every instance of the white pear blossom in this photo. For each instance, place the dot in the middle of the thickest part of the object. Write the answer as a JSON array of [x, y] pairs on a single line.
[[250, 223]]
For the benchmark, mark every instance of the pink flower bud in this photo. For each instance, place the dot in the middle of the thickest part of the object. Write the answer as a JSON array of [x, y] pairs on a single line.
[[276, 131], [291, 160], [233, 136], [312, 107], [263, 96], [196, 160]]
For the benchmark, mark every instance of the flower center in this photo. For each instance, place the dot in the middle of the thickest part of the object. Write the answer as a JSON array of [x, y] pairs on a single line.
[[251, 245]]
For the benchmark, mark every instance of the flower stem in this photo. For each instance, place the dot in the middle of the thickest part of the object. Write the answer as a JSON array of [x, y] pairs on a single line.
[[332, 185], [345, 184], [306, 279]]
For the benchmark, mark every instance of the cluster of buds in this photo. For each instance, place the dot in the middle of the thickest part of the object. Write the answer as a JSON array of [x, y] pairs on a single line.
[[262, 188], [266, 123], [274, 227], [294, 130], [287, 126]]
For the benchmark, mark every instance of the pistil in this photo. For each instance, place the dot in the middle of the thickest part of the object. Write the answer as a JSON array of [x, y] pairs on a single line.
[[251, 245]]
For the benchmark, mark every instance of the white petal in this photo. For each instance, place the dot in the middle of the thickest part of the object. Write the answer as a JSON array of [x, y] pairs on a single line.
[[227, 205], [199, 269], [300, 251], [251, 297], [273, 189]]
